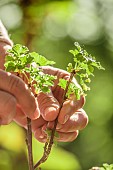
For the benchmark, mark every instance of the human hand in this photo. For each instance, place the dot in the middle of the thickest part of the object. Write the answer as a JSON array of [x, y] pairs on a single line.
[[71, 118], [19, 105], [17, 102]]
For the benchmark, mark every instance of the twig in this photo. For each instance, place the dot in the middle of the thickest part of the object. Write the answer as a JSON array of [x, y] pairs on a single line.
[[29, 144], [29, 134], [48, 146]]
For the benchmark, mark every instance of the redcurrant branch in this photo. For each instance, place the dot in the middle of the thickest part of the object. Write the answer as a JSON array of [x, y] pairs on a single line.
[[49, 144]]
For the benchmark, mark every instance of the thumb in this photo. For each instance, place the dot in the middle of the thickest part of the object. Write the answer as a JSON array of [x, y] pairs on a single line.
[[48, 105]]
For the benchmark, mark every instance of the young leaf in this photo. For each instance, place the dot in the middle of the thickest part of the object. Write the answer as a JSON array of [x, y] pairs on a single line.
[[84, 65], [62, 83], [18, 49], [41, 60], [10, 66]]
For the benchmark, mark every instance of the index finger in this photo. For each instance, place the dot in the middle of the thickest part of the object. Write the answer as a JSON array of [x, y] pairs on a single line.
[[15, 86]]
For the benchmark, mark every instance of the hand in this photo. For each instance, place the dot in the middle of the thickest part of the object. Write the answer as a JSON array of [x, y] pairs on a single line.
[[15, 94], [71, 117], [17, 102]]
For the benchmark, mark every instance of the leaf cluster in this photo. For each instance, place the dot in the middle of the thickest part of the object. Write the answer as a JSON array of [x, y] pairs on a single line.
[[83, 67], [107, 167], [20, 60], [104, 167]]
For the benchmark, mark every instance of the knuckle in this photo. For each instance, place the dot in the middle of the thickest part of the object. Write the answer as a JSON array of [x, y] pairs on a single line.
[[14, 83]]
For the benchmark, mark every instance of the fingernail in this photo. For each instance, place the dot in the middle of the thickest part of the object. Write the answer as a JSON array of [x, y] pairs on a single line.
[[50, 113], [41, 136], [66, 118], [49, 109]]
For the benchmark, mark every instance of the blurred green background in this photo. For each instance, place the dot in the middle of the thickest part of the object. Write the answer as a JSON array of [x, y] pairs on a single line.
[[50, 28]]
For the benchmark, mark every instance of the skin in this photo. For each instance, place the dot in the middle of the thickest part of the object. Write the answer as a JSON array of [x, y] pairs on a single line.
[[17, 102]]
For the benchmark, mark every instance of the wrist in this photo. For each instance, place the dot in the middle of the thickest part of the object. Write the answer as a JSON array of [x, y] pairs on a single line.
[[4, 38], [5, 44]]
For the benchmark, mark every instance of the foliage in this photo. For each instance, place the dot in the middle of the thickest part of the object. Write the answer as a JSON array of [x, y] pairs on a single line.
[[105, 167], [84, 22], [84, 65], [21, 61]]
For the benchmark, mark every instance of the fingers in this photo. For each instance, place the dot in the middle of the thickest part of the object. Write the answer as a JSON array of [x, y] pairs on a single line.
[[67, 137], [20, 118], [56, 90], [16, 87], [7, 107], [62, 137], [70, 106], [38, 123], [40, 134], [66, 132], [48, 105], [77, 121]]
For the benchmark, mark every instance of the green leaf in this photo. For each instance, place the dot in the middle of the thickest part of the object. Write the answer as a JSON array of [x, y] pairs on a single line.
[[62, 83], [74, 52], [91, 69], [45, 89], [73, 89], [41, 60], [19, 49], [29, 59], [70, 67], [88, 80], [84, 66], [9, 58], [97, 65], [10, 66]]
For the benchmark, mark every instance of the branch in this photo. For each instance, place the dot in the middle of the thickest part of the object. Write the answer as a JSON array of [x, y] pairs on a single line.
[[29, 133], [48, 145], [29, 144]]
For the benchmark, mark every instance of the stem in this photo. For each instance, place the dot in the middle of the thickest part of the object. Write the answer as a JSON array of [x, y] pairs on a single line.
[[29, 144], [48, 146], [29, 133]]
